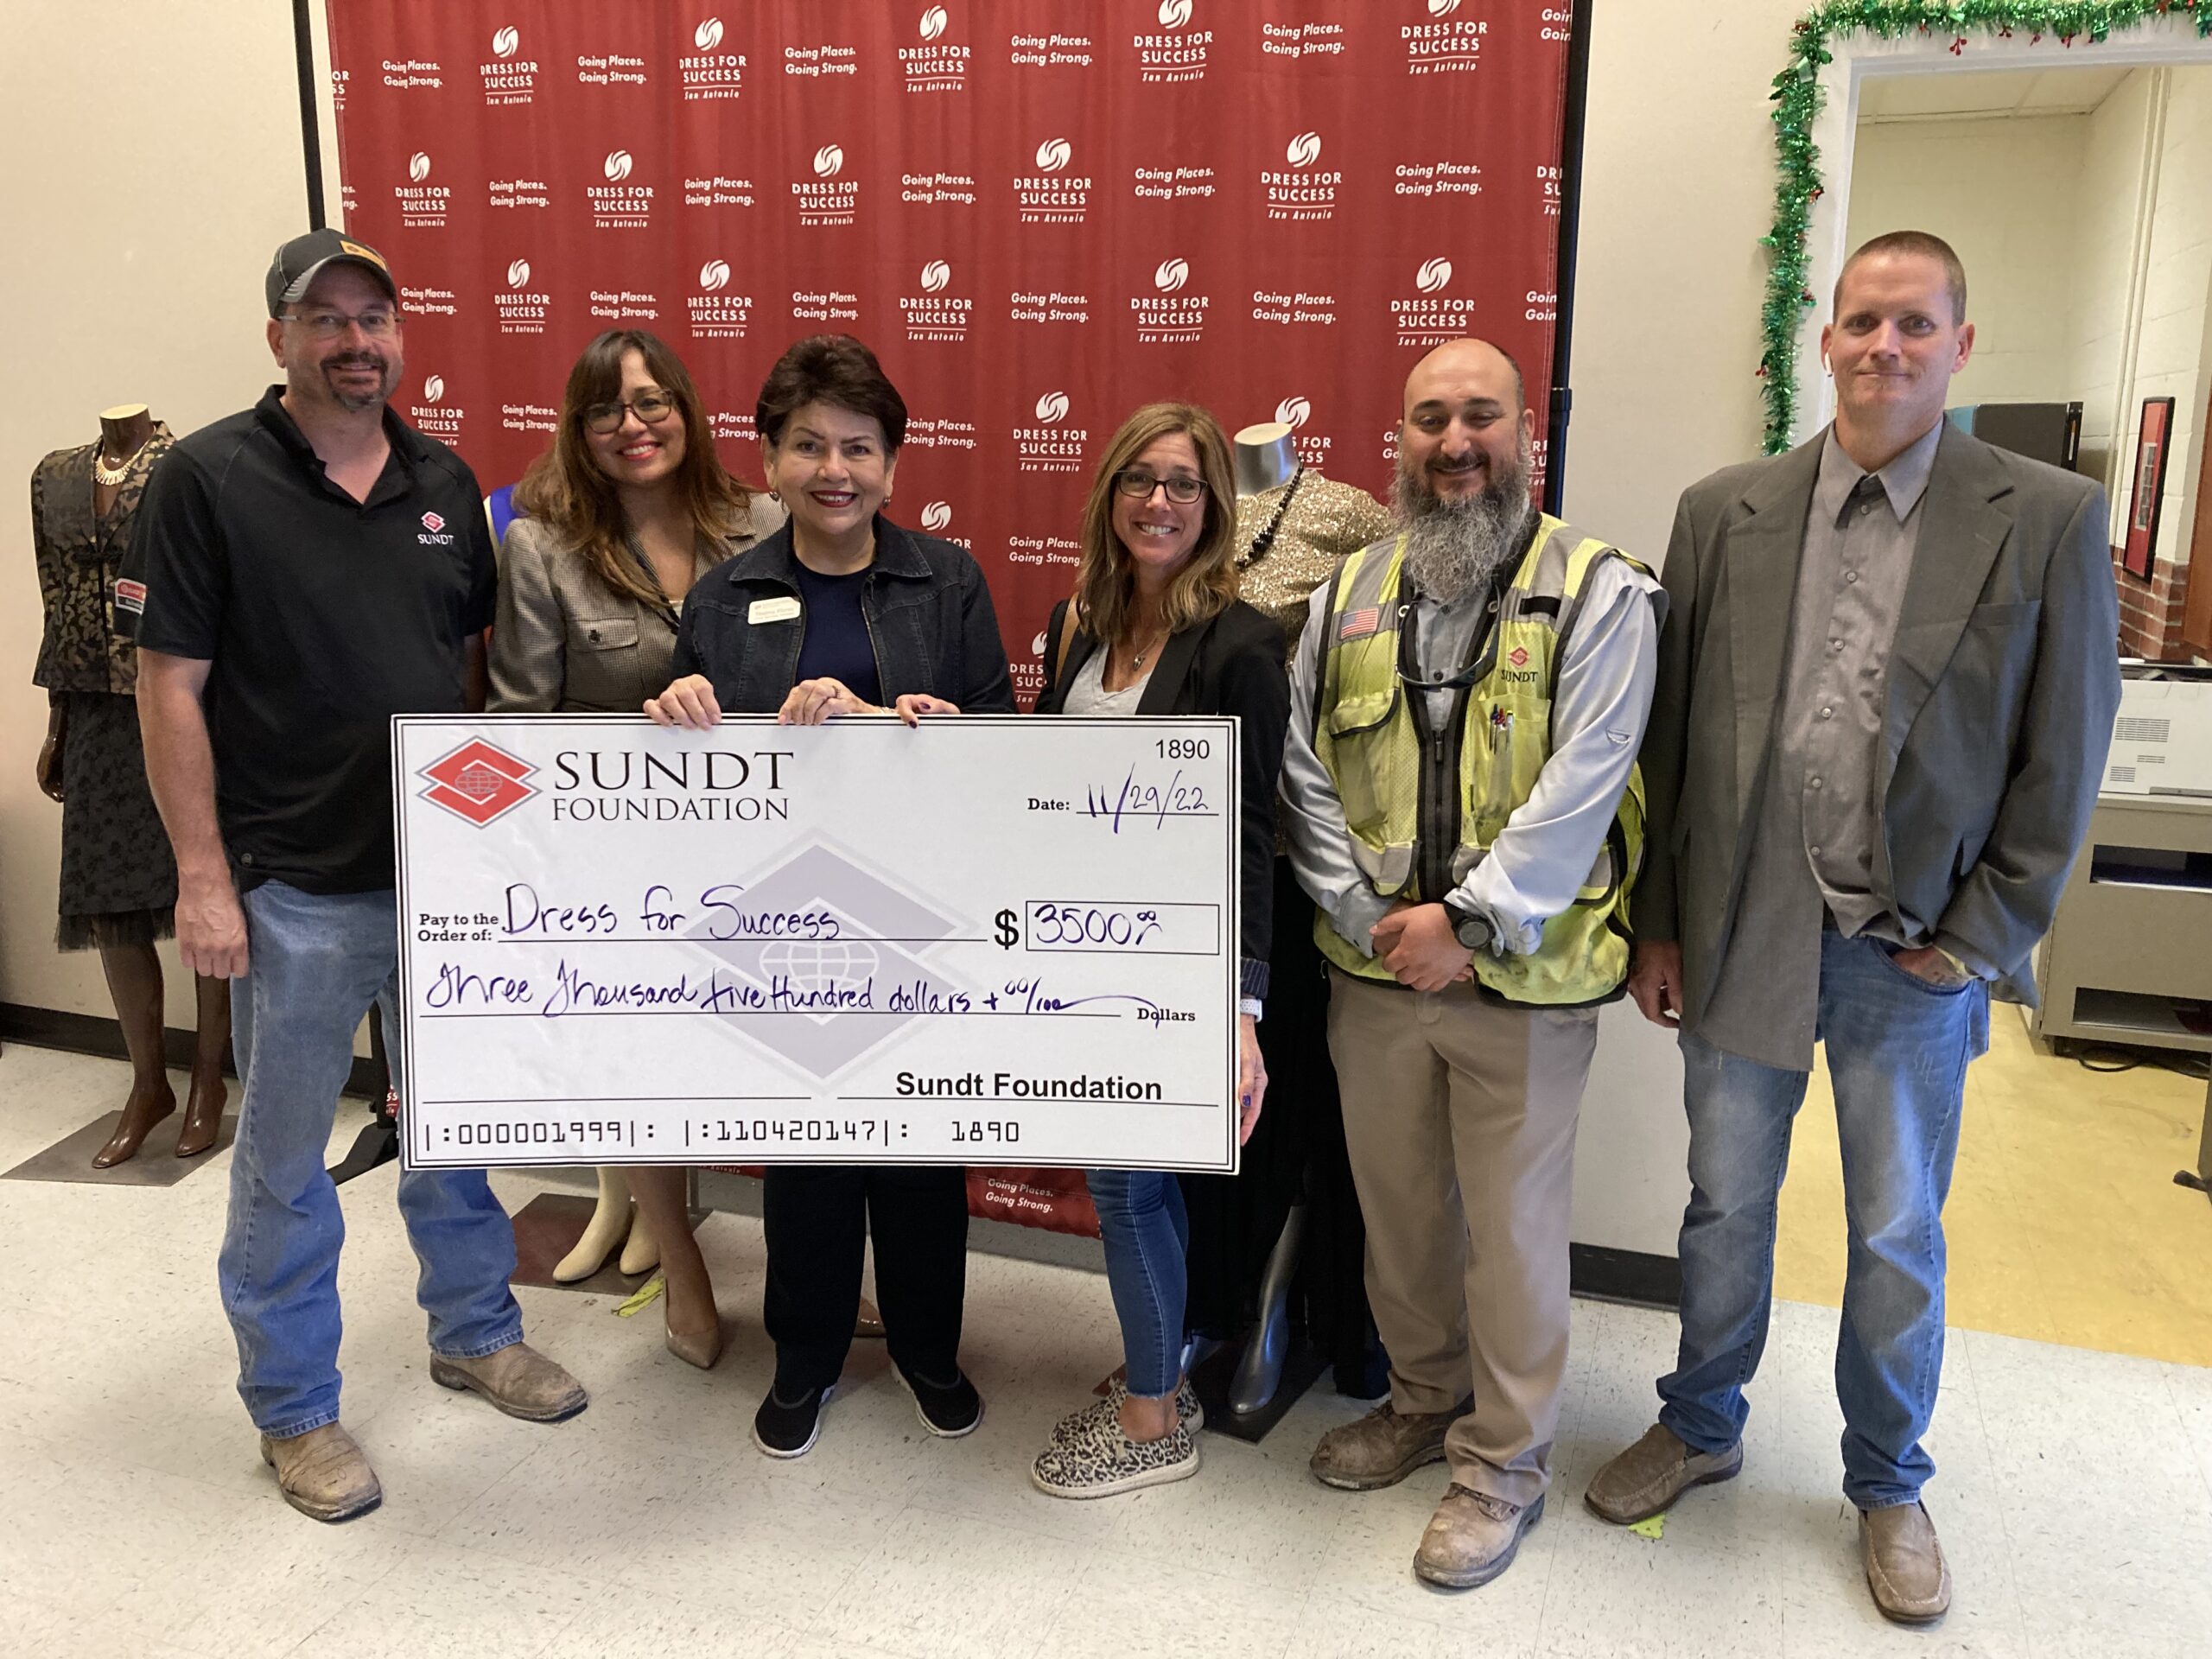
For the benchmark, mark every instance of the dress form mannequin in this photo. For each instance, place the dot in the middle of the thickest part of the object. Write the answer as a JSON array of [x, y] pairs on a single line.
[[1295, 528], [118, 885]]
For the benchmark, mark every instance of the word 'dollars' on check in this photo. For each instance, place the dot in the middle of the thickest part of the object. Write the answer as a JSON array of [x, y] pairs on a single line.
[[988, 940]]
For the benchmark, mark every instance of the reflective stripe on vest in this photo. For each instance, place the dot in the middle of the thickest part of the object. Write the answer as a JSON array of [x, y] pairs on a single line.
[[1365, 735]]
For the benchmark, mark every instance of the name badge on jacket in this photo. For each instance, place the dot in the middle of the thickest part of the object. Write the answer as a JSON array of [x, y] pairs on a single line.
[[772, 610]]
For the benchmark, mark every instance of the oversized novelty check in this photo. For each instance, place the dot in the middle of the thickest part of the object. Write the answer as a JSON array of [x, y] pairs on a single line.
[[990, 940]]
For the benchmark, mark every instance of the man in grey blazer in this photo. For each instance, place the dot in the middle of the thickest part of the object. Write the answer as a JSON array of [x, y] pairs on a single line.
[[1885, 694]]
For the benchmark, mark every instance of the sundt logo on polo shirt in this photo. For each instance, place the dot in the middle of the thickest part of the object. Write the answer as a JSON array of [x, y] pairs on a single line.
[[434, 532], [478, 781], [433, 523]]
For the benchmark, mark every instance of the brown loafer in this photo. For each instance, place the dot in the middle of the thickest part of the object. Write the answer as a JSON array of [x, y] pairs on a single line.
[[1646, 1479], [517, 1379], [323, 1474], [1473, 1537], [1381, 1448], [1906, 1567]]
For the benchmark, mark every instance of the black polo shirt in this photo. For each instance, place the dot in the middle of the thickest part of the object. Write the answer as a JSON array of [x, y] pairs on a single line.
[[322, 616]]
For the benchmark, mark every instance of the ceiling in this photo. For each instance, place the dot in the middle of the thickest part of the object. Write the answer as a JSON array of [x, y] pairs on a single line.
[[1981, 95]]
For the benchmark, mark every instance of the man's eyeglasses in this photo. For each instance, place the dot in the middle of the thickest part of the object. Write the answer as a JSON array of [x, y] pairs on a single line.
[[651, 407], [377, 324], [1138, 484]]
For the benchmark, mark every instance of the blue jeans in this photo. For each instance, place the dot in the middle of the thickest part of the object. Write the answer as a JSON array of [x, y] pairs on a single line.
[[1897, 1050], [1147, 1235], [315, 964]]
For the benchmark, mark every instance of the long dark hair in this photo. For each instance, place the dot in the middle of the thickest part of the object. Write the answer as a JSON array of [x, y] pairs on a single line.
[[565, 487]]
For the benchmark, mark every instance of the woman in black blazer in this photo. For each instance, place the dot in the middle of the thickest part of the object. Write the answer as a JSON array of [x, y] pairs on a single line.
[[1155, 627]]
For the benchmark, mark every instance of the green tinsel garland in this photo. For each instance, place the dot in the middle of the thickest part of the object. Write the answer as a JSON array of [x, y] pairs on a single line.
[[1797, 99]]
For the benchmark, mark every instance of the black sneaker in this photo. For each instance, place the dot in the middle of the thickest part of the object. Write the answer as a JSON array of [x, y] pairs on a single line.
[[946, 1411], [789, 1429]]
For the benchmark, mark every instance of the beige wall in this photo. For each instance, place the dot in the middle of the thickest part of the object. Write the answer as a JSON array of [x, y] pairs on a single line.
[[158, 163], [2005, 192]]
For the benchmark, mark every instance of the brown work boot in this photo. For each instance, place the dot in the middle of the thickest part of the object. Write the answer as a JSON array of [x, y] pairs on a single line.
[[1645, 1479], [323, 1474], [518, 1380], [1906, 1567], [1473, 1537], [1383, 1448]]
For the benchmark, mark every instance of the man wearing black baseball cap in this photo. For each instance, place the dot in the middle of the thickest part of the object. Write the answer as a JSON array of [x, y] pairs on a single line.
[[300, 572]]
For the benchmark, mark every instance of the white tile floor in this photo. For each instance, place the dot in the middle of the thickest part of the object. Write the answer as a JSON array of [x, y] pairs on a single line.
[[2075, 1496]]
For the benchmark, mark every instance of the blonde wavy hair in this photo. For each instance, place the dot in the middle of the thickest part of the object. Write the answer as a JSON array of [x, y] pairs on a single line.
[[565, 487], [1206, 586]]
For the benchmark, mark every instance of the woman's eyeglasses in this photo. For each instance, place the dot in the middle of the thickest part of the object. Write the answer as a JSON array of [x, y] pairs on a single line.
[[1138, 484], [651, 407]]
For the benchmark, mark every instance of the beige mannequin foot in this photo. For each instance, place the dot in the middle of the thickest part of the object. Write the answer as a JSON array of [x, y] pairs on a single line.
[[603, 1234], [642, 1253]]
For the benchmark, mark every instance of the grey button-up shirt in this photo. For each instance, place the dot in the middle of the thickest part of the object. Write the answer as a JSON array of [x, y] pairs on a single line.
[[1813, 842]]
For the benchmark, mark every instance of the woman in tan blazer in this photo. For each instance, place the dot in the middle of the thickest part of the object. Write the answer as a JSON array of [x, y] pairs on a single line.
[[627, 509]]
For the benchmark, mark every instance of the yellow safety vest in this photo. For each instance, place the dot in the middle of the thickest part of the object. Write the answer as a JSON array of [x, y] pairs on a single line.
[[1420, 821]]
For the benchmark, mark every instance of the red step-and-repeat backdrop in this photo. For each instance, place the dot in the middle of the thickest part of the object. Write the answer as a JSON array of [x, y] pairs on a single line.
[[1041, 213]]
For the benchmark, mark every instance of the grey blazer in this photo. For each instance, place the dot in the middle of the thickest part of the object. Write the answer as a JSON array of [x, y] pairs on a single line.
[[562, 641], [2002, 687]]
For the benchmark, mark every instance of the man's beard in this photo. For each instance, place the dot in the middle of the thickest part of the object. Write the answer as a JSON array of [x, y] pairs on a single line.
[[1455, 544], [354, 402]]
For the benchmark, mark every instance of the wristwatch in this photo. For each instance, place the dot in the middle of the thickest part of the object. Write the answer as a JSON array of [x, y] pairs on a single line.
[[1469, 928]]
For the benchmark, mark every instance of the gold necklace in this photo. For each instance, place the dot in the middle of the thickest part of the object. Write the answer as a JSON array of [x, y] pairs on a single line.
[[107, 473], [1137, 661]]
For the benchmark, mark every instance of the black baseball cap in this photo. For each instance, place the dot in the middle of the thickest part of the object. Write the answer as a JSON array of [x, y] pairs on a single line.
[[299, 260]]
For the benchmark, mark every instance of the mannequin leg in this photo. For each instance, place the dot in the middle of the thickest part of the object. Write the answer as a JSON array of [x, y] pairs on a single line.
[[203, 1111], [694, 1326], [642, 1253], [133, 983], [608, 1226]]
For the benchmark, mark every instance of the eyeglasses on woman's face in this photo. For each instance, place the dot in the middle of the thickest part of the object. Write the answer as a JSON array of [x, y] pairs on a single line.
[[1139, 482], [651, 407]]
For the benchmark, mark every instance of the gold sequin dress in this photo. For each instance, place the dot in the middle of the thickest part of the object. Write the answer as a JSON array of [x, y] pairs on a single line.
[[1327, 522]]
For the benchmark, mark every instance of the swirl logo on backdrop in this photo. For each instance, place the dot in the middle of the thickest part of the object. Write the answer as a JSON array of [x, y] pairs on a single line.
[[1446, 43], [1168, 316], [936, 65], [1296, 412], [621, 203], [936, 517], [1052, 408], [715, 312], [707, 71], [1178, 53], [1431, 314], [934, 316], [1053, 195], [432, 416], [1303, 193], [520, 309], [423, 205], [508, 78], [829, 198]]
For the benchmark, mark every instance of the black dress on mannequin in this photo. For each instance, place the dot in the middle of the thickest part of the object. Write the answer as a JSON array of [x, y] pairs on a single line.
[[119, 878]]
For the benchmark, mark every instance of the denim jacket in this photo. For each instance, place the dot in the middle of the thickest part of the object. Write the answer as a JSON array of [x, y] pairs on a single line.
[[928, 611]]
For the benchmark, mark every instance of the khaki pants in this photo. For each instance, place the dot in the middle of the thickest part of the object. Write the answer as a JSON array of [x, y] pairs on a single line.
[[1459, 1114]]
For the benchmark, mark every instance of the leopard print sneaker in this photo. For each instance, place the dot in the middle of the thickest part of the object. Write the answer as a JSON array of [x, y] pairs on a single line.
[[1081, 1425], [1108, 1461]]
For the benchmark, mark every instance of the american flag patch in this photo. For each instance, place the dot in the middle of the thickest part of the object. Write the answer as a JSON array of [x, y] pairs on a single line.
[[1358, 624]]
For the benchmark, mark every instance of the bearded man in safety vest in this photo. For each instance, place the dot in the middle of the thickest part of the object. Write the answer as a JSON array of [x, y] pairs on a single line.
[[1462, 805]]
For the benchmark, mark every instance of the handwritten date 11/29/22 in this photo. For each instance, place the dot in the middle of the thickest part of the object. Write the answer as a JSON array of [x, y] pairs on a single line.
[[1135, 798]]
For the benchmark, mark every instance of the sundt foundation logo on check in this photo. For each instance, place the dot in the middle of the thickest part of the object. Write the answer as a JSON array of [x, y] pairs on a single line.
[[478, 781]]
